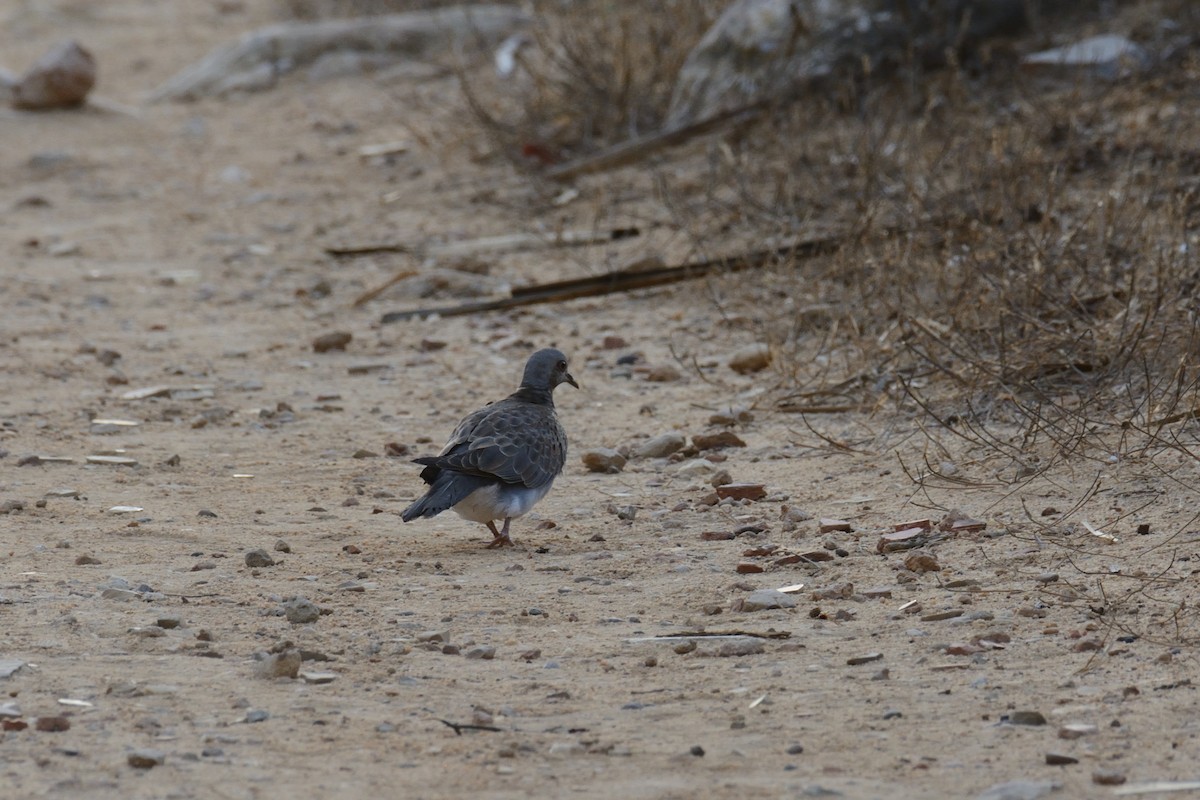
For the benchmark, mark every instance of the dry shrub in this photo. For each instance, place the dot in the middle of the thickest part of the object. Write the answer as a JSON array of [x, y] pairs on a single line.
[[594, 72], [1018, 279], [1021, 253], [1017, 269]]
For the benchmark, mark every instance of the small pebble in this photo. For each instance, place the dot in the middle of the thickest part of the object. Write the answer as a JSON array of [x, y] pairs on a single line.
[[717, 441], [1026, 718], [742, 491], [1074, 730], [61, 78], [145, 759], [919, 563], [53, 724], [1060, 759], [337, 340], [485, 652], [604, 460], [660, 446], [721, 478], [731, 416], [318, 678], [766, 599], [259, 558], [662, 373], [752, 358], [301, 611], [865, 659], [745, 646], [280, 665], [1108, 777]]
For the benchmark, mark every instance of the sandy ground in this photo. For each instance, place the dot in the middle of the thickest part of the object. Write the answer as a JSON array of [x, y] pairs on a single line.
[[188, 240]]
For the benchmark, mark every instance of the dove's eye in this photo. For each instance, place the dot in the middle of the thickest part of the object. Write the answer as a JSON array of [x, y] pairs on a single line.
[[562, 365]]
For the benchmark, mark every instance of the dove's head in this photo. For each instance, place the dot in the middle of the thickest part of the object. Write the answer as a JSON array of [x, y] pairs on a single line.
[[547, 369]]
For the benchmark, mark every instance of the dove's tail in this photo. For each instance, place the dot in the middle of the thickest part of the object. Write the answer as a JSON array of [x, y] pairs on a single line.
[[446, 490]]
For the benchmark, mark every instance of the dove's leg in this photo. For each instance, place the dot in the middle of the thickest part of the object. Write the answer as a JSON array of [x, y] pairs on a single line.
[[500, 537]]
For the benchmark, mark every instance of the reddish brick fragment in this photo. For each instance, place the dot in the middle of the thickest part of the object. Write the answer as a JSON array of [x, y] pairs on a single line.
[[742, 491]]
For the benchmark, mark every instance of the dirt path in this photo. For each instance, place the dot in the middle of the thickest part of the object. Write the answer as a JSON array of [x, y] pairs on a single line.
[[188, 241]]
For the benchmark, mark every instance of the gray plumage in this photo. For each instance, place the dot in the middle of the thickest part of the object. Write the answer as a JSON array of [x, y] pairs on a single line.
[[502, 459]]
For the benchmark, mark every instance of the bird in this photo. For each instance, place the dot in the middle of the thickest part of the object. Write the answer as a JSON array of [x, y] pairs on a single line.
[[502, 459]]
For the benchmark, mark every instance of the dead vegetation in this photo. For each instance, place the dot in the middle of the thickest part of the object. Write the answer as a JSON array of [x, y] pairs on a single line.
[[1017, 274], [593, 73], [1018, 253]]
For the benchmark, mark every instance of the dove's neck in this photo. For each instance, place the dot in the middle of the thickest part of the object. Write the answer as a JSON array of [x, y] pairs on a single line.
[[533, 394]]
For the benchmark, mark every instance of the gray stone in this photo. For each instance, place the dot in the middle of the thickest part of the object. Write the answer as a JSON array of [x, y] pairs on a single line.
[[661, 446], [301, 611], [1026, 718], [485, 652], [148, 632], [259, 558], [768, 598], [564, 749], [318, 678], [742, 646], [696, 468], [9, 666]]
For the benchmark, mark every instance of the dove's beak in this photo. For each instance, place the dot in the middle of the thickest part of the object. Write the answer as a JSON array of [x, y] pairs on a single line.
[[568, 379]]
